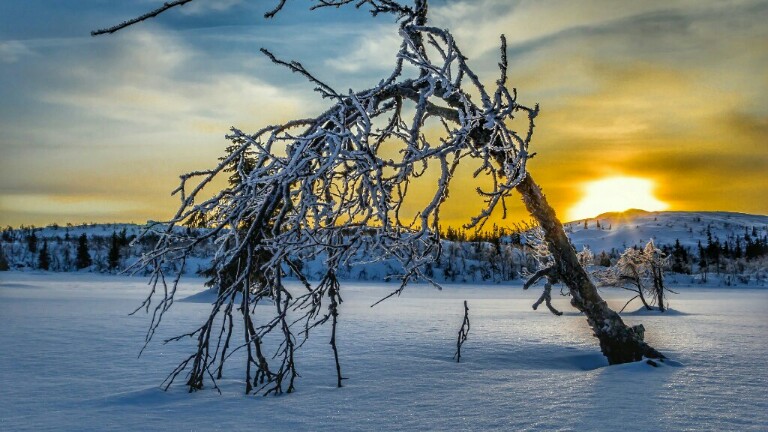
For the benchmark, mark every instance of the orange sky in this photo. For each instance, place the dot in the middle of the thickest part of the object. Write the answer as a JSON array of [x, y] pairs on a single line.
[[672, 92]]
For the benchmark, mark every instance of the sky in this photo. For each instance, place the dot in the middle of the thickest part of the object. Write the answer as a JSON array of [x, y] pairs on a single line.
[[666, 95]]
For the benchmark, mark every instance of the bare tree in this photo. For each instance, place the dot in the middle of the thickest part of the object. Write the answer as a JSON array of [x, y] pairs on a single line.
[[656, 261], [640, 271], [321, 187], [628, 273]]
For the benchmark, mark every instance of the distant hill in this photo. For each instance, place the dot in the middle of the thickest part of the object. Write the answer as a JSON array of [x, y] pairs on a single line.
[[635, 227]]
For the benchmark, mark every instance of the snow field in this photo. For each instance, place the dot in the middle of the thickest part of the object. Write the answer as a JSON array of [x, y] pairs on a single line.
[[69, 362]]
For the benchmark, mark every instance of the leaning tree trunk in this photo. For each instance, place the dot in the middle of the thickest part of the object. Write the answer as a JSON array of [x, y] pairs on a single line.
[[618, 342]]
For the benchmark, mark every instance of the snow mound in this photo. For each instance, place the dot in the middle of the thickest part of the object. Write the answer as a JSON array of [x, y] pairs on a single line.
[[654, 312]]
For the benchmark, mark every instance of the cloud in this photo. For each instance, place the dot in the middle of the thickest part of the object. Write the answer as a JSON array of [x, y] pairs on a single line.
[[119, 119], [11, 51], [478, 23], [197, 7], [376, 50], [673, 95], [156, 81], [205, 6], [653, 122], [672, 91]]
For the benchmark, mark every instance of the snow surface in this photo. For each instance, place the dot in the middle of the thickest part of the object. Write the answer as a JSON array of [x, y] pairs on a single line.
[[69, 362]]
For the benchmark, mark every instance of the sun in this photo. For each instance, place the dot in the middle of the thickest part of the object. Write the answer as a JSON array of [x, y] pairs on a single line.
[[616, 194]]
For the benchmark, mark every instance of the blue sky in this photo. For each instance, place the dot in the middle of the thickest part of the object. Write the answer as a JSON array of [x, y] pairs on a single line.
[[98, 129]]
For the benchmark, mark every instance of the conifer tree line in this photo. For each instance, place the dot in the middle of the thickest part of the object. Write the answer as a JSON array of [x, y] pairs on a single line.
[[101, 248], [494, 255]]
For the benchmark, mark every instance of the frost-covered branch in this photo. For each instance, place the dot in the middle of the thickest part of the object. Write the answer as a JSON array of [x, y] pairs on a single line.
[[334, 187], [376, 7], [151, 14]]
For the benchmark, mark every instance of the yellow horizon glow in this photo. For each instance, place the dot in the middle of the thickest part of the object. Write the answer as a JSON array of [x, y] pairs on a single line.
[[124, 124], [616, 194]]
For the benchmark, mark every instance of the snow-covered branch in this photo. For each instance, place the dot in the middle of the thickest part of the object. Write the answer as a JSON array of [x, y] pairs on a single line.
[[330, 186]]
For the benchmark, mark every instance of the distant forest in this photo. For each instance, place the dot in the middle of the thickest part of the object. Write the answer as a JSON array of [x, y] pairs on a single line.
[[495, 255]]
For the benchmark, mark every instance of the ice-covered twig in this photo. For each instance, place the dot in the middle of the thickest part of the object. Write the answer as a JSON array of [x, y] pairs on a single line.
[[330, 187], [463, 333]]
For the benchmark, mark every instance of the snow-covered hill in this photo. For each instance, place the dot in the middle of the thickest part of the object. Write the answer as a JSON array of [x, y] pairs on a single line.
[[617, 231]]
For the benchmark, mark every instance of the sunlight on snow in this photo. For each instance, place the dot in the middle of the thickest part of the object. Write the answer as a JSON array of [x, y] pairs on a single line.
[[616, 194]]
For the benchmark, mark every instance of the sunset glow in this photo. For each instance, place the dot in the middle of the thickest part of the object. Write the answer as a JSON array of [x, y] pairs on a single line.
[[616, 194], [672, 92]]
